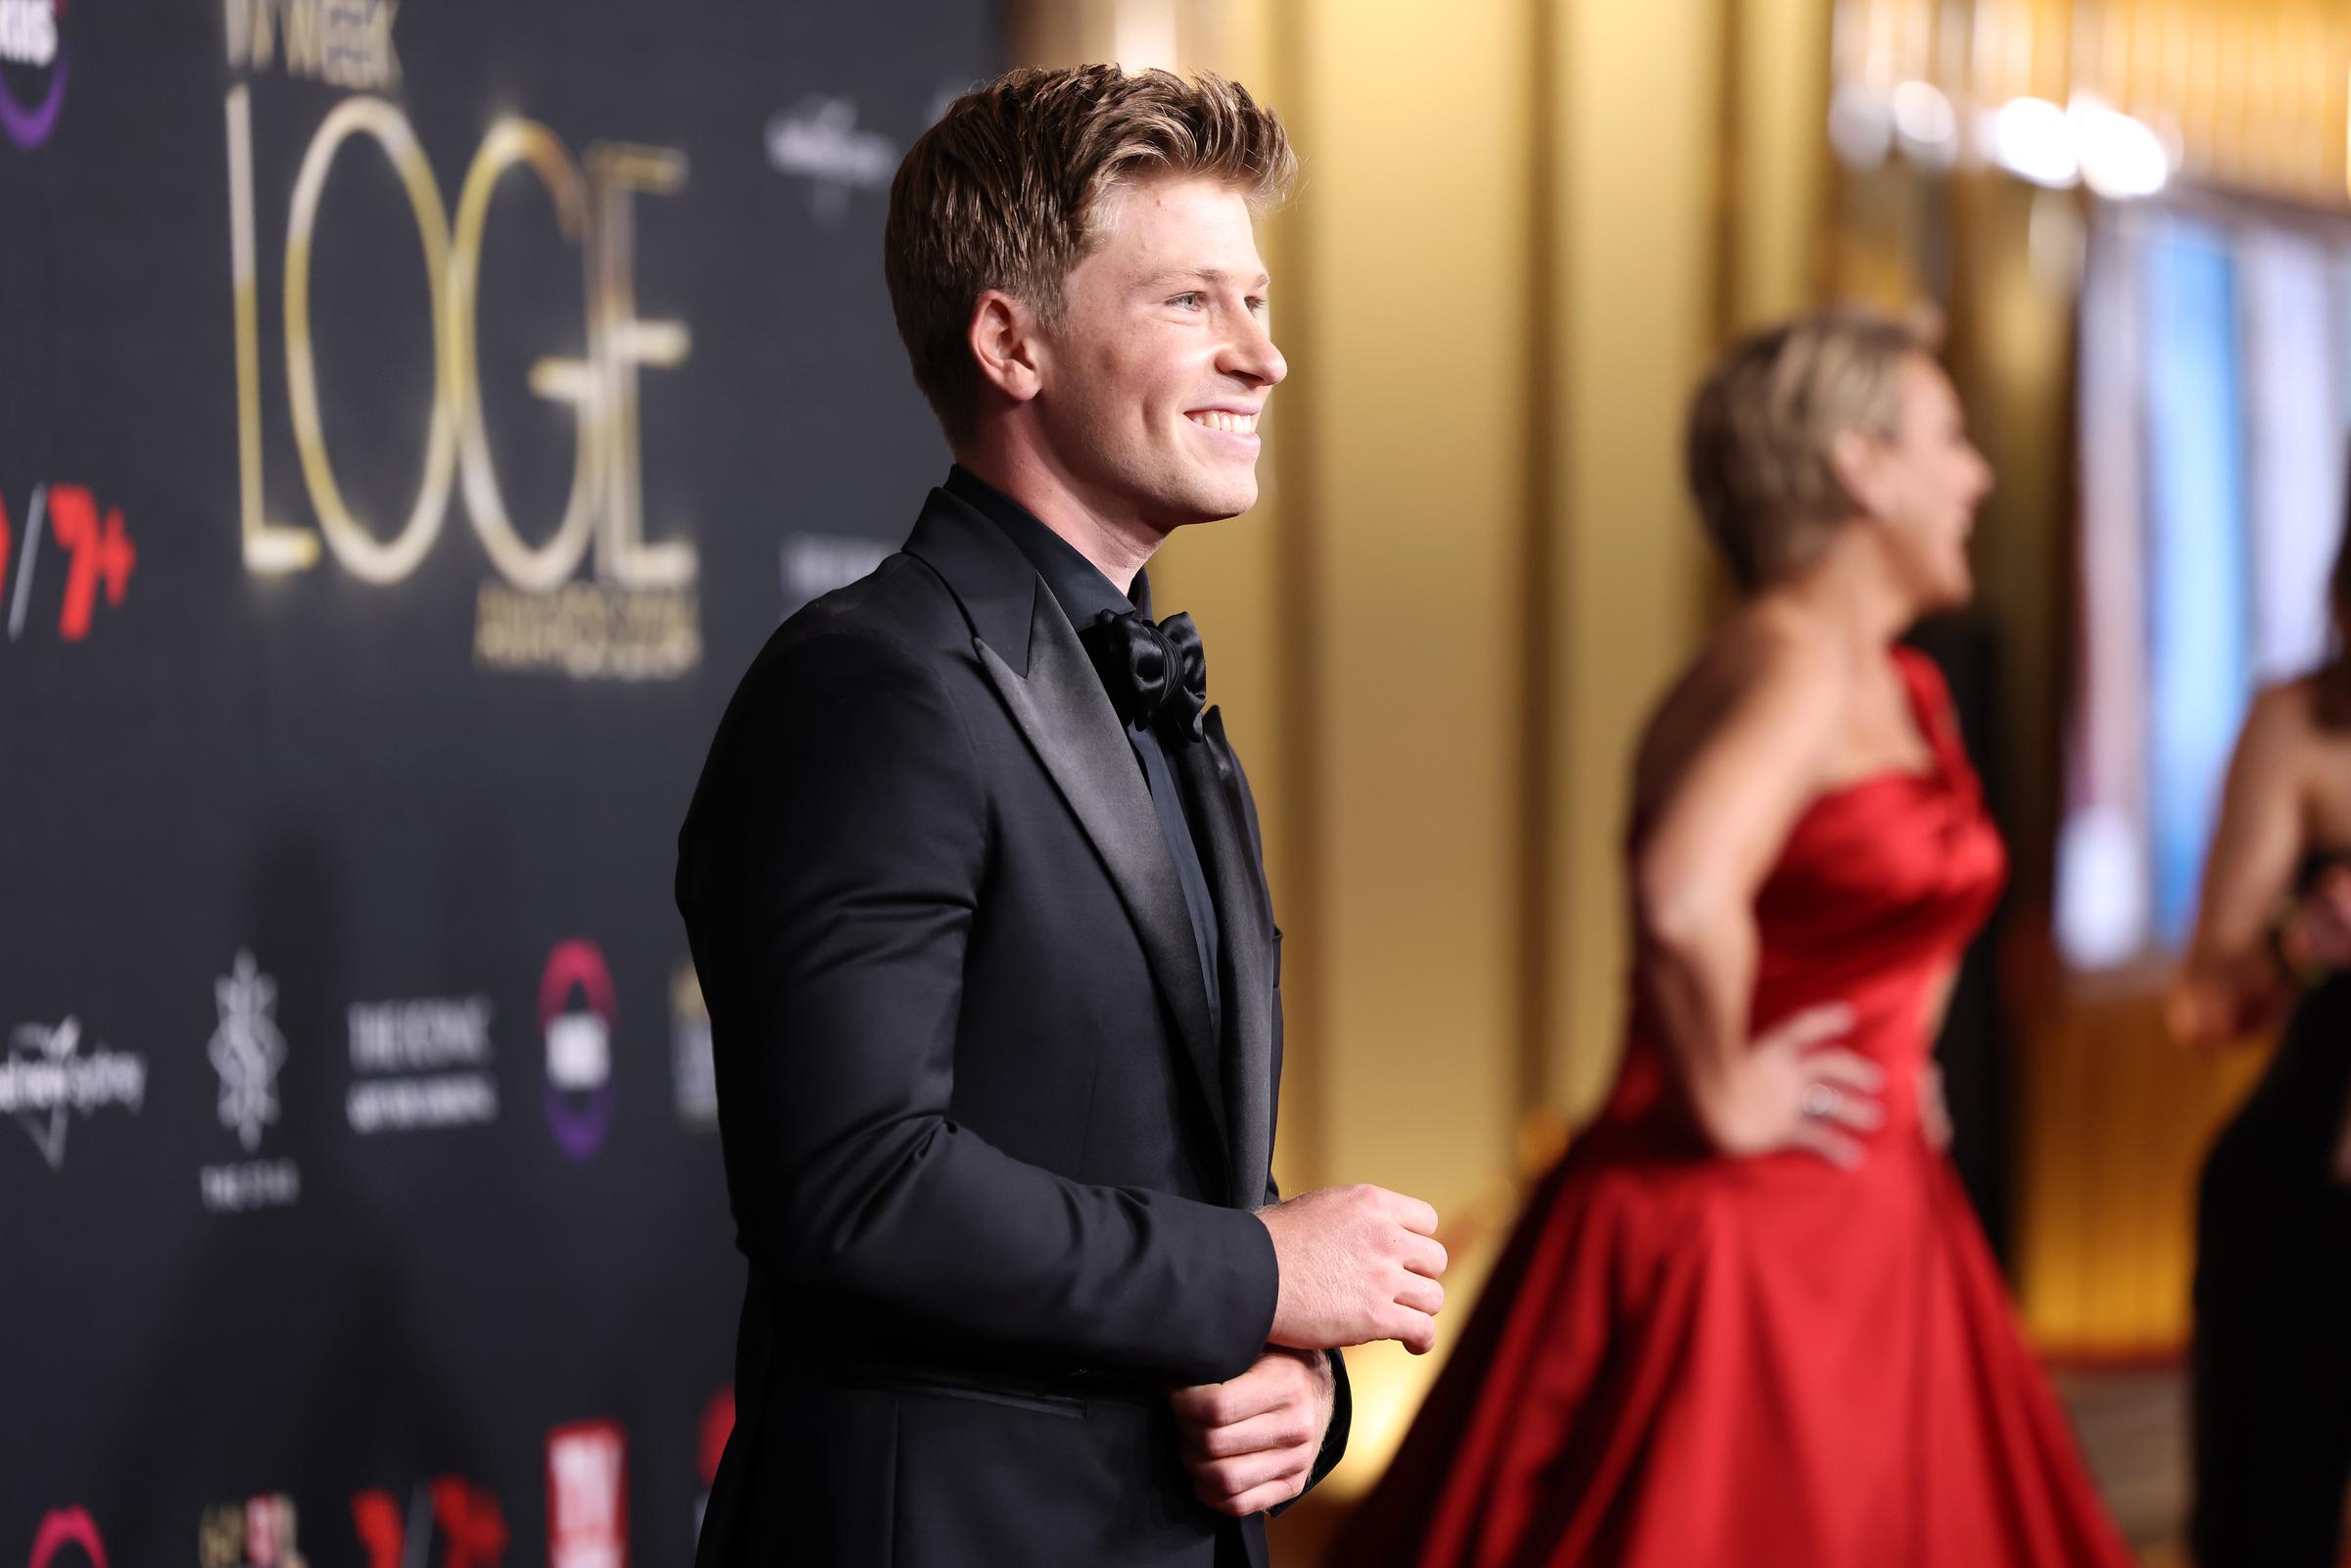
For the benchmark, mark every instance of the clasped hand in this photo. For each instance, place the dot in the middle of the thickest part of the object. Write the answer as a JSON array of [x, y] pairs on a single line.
[[1250, 1441], [1354, 1264]]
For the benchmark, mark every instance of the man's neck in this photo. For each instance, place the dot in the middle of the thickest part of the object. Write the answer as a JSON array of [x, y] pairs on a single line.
[[1116, 547]]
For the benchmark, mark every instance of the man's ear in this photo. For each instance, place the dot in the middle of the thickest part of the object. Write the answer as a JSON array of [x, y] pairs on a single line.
[[1003, 339], [1853, 459]]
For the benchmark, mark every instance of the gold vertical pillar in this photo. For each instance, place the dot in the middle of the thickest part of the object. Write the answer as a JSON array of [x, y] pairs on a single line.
[[1416, 290], [1779, 148], [1413, 283], [1635, 228]]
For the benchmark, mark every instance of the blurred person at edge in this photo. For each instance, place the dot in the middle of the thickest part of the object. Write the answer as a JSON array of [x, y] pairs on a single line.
[[1749, 1318], [973, 884], [2271, 1367]]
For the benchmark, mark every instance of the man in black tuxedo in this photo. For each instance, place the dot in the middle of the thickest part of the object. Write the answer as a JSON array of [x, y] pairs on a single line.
[[973, 884]]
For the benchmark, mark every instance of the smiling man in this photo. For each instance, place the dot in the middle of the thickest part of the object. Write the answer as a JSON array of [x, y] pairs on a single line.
[[973, 884]]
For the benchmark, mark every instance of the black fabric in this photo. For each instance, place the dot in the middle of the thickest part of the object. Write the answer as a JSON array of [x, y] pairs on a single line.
[[973, 1099], [1156, 673], [1085, 598], [2271, 1364], [1217, 797]]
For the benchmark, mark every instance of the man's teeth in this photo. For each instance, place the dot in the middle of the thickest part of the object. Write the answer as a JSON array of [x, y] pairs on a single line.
[[1240, 424]]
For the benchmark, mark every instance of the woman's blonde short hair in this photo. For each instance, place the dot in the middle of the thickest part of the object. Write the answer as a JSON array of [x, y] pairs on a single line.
[[1004, 193], [1766, 419]]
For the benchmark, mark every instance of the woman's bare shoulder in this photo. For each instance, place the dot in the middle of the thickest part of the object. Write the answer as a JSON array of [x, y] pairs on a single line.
[[1784, 669]]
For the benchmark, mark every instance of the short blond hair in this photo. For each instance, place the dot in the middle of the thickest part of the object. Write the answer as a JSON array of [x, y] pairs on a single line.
[[1003, 193], [1765, 421]]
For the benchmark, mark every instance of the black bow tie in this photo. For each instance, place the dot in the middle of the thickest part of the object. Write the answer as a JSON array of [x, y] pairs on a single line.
[[1152, 673]]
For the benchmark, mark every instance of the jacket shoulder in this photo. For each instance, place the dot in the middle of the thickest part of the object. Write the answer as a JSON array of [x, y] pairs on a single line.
[[901, 603]]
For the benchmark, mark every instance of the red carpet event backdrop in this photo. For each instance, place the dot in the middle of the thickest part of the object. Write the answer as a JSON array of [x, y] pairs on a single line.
[[413, 418]]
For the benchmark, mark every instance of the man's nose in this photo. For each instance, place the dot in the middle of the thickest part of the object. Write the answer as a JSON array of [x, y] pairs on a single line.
[[1252, 356]]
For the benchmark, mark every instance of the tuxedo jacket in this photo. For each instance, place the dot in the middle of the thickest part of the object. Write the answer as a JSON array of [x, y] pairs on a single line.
[[990, 1160]]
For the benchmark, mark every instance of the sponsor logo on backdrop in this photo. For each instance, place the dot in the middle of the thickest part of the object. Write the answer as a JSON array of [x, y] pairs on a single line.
[[815, 564], [32, 68], [344, 43], [817, 140], [66, 1538], [587, 1496], [710, 1446], [247, 1051], [419, 1066], [578, 1015], [48, 1074], [258, 1532], [465, 1519], [693, 1067], [99, 556], [586, 593]]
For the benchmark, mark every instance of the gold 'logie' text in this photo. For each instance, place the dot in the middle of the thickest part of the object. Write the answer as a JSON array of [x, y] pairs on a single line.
[[595, 209]]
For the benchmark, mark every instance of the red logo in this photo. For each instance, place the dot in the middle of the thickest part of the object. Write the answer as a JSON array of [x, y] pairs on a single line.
[[588, 1496], [67, 1527], [98, 554], [718, 1424], [472, 1529]]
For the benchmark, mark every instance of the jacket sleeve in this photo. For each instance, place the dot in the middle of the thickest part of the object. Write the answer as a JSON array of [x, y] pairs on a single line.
[[830, 874], [1342, 1417]]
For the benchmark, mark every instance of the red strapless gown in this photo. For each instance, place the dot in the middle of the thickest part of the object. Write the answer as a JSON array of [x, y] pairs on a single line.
[[1684, 1360]]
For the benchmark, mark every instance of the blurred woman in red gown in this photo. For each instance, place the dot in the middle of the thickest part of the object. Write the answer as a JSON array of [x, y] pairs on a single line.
[[1749, 1320]]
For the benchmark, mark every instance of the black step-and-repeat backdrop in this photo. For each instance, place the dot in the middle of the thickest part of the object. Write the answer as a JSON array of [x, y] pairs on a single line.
[[414, 414]]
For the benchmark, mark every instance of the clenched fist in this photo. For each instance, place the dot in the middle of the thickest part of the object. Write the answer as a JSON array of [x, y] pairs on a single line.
[[1358, 1264]]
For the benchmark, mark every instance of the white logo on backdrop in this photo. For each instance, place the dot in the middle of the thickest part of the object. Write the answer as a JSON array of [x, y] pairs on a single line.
[[247, 1051], [46, 1074], [421, 1064], [29, 31], [819, 141]]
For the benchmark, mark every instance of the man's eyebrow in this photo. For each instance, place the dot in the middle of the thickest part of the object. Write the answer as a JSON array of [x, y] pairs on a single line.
[[1206, 274]]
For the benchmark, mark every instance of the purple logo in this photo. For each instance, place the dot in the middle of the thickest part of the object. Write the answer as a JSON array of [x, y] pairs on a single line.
[[32, 36], [579, 1046]]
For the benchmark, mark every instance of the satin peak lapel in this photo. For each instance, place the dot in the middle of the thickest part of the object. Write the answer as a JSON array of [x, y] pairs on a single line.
[[1061, 710]]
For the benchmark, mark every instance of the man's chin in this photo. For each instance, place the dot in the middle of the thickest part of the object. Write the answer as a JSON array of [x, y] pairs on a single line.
[[1213, 503]]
